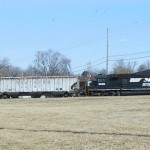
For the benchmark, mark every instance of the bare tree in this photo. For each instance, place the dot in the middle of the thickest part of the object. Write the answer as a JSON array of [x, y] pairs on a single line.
[[15, 71], [51, 63], [144, 66], [94, 71], [4, 65], [131, 66], [120, 67], [30, 71], [102, 71]]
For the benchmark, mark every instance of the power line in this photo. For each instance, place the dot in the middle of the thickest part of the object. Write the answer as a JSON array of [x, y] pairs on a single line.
[[90, 66], [93, 62], [114, 30], [132, 58], [132, 24], [112, 61], [141, 26], [90, 62], [130, 54], [84, 43]]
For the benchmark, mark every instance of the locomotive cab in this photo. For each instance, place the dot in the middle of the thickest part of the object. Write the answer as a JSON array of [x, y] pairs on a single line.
[[105, 85]]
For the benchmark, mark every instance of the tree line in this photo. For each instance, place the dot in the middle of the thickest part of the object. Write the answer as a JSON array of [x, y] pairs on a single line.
[[45, 63], [123, 67], [51, 63]]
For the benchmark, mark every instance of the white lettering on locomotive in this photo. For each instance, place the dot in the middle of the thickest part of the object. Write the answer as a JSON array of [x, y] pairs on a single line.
[[101, 83], [139, 79], [146, 84], [135, 79]]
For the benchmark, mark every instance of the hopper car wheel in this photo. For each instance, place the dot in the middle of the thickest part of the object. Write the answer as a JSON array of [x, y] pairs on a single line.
[[5, 96], [66, 94]]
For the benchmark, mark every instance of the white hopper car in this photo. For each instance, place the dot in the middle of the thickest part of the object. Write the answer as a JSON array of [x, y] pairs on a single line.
[[49, 86]]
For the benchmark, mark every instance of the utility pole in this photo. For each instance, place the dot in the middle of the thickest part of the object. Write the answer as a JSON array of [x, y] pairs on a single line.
[[38, 55], [107, 54]]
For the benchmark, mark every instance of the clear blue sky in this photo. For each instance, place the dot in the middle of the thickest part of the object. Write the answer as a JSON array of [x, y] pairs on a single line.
[[75, 28]]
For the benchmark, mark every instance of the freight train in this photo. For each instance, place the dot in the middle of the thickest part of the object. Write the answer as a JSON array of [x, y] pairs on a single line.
[[64, 86], [49, 86], [119, 84]]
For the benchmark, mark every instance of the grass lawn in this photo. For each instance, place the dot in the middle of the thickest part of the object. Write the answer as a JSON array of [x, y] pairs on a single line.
[[84, 123]]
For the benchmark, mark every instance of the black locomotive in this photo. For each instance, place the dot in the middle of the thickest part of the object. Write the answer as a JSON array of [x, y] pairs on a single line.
[[119, 84]]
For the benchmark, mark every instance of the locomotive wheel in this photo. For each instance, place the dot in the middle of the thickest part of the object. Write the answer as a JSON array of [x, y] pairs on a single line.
[[118, 93], [113, 94], [91, 94]]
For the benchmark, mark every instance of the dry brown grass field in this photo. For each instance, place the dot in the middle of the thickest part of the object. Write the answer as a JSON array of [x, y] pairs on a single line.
[[88, 123]]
